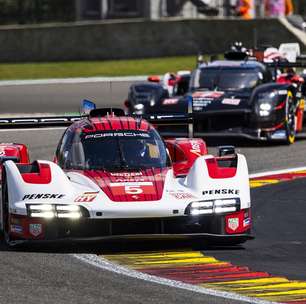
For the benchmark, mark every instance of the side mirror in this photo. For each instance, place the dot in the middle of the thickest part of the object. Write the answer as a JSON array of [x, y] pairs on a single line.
[[226, 150], [86, 107]]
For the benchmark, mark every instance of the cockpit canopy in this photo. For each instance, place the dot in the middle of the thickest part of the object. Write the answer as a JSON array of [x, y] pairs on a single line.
[[112, 150], [224, 76]]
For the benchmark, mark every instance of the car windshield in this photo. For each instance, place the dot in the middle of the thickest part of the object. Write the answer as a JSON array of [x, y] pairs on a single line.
[[119, 150], [146, 88], [151, 90], [226, 79]]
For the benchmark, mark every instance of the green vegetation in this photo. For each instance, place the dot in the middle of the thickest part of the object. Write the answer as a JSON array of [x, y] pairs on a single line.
[[95, 68]]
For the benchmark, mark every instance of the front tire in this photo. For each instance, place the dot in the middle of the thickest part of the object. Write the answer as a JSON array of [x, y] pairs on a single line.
[[5, 212], [290, 120]]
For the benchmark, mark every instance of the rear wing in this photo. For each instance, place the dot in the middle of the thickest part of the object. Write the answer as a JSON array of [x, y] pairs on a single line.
[[184, 120], [88, 109], [23, 122]]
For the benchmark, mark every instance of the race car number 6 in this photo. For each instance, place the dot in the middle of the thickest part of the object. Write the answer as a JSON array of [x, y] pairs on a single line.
[[133, 189]]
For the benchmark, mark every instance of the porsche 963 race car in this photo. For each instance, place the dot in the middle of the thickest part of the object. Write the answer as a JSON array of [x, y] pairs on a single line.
[[114, 177]]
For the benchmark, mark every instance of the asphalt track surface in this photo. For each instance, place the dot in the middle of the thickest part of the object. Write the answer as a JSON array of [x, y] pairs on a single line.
[[50, 274], [60, 98]]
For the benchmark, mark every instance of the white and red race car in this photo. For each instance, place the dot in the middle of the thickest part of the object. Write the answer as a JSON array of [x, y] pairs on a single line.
[[114, 177]]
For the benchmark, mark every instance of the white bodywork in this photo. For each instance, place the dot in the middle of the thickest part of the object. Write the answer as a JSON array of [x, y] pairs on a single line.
[[177, 193]]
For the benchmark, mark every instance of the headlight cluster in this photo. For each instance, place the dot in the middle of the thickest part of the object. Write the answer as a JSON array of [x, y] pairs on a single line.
[[265, 109], [265, 103], [213, 206], [51, 211], [139, 109]]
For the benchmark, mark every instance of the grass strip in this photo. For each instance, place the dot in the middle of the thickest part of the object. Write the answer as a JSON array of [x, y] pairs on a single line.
[[12, 71]]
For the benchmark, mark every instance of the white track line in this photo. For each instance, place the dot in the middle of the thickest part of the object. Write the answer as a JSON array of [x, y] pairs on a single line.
[[71, 80], [283, 171], [110, 266]]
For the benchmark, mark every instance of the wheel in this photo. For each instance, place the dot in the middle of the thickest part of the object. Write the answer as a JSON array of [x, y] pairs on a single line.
[[5, 213], [4, 209], [290, 120]]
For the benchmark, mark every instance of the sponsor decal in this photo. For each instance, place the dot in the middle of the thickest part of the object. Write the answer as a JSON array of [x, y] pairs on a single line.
[[212, 95], [221, 191], [195, 148], [42, 196], [35, 229], [170, 101], [117, 134], [86, 197], [233, 223], [231, 101], [126, 174], [182, 195], [132, 188], [16, 229], [198, 104]]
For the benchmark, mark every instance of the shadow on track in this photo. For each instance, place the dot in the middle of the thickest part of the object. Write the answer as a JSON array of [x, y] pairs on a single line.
[[117, 246]]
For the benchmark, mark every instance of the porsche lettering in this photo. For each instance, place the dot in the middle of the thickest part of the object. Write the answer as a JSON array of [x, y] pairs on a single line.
[[117, 134]]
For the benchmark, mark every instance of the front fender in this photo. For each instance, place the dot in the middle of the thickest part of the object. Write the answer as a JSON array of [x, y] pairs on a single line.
[[26, 182]]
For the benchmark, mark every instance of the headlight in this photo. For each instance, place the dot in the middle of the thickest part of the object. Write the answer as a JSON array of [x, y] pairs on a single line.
[[68, 211], [265, 101], [51, 211], [139, 106], [139, 109], [265, 106], [204, 207], [213, 206], [265, 109], [45, 211]]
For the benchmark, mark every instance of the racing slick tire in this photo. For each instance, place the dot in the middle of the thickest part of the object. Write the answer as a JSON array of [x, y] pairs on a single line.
[[5, 212], [290, 120]]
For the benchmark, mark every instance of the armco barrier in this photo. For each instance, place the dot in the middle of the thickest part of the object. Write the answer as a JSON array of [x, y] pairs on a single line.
[[135, 39]]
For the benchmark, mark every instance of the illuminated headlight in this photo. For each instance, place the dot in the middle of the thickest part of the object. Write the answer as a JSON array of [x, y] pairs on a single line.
[[226, 205], [52, 211], [152, 102], [265, 109], [205, 207], [45, 211], [68, 211], [139, 107], [213, 206]]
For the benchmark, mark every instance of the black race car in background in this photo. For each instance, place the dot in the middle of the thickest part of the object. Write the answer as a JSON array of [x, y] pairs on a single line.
[[238, 96]]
